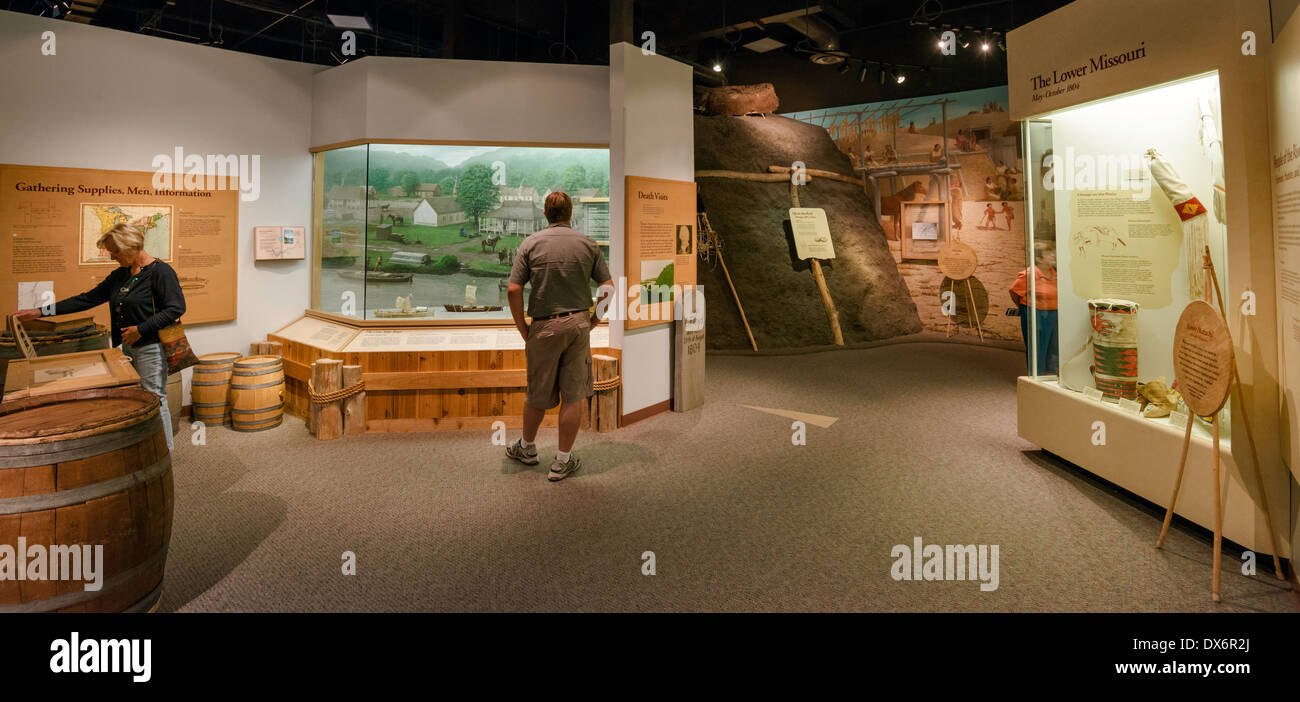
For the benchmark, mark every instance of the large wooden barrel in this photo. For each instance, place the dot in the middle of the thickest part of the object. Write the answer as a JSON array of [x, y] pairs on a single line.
[[210, 387], [86, 468], [257, 393]]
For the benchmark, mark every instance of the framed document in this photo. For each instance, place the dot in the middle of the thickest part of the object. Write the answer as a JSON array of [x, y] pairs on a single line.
[[279, 243], [925, 228]]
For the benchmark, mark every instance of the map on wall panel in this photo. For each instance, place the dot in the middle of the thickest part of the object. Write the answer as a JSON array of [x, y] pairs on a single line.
[[98, 218]]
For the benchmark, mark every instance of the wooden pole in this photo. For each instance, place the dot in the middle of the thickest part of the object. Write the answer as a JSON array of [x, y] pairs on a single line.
[[1218, 516], [742, 175], [604, 403], [827, 302], [736, 295], [973, 310], [1250, 435], [810, 172], [713, 235], [947, 332], [1178, 483], [354, 408], [820, 277], [326, 417]]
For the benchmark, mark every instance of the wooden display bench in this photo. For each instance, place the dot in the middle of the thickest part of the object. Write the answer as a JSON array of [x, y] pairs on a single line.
[[419, 376]]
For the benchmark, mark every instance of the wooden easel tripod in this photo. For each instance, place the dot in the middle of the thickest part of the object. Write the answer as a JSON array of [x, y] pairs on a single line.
[[1234, 385]]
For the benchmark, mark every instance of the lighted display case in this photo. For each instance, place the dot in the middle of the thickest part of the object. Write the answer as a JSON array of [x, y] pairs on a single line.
[[429, 231], [1125, 196]]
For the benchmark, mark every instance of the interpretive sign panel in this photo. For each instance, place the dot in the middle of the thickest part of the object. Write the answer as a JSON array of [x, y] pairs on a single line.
[[660, 253], [53, 217]]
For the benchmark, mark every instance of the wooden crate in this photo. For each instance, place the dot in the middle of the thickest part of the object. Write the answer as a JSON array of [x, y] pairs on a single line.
[[47, 375]]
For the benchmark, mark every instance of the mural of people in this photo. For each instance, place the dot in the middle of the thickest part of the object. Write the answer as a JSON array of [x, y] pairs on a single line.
[[955, 197], [988, 221], [991, 191]]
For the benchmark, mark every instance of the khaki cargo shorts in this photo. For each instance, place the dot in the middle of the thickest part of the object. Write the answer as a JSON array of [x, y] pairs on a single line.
[[559, 360]]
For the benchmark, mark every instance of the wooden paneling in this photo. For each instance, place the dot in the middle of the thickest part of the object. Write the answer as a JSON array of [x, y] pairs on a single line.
[[424, 390]]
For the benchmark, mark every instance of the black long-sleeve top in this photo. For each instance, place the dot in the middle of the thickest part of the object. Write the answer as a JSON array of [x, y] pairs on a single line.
[[153, 301]]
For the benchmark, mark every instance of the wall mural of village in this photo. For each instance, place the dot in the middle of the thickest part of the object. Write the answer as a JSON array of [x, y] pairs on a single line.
[[958, 149], [430, 231]]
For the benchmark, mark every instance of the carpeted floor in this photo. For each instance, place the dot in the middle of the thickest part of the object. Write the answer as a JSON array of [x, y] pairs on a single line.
[[738, 518]]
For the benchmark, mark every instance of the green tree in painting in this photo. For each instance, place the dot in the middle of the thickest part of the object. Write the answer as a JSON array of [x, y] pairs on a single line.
[[548, 180], [573, 177], [381, 179], [409, 182], [477, 195], [447, 184]]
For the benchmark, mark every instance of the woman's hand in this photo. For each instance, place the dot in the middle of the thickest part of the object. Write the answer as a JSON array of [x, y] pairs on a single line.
[[130, 335], [24, 315]]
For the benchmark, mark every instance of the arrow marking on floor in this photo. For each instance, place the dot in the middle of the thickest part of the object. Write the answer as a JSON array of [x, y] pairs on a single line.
[[819, 420]]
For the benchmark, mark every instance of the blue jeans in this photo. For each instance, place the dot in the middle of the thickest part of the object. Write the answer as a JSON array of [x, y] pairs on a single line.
[[151, 365], [1048, 339]]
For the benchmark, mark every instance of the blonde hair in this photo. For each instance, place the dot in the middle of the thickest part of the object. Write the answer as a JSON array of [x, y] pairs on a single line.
[[124, 236]]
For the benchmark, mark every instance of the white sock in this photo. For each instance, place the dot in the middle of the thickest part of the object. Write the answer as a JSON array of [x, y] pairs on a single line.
[[562, 456], [526, 444]]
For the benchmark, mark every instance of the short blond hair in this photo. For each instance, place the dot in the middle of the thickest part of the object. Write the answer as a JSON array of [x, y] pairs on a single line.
[[125, 237]]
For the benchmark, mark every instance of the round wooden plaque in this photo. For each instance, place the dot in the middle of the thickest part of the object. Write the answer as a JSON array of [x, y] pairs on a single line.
[[958, 261], [1203, 358]]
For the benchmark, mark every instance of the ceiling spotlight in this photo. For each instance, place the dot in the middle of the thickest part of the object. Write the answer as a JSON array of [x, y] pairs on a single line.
[[882, 76], [717, 68], [900, 78], [844, 68], [862, 74], [984, 46]]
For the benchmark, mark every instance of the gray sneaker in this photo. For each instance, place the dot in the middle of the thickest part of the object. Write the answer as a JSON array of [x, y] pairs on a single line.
[[560, 471], [517, 451]]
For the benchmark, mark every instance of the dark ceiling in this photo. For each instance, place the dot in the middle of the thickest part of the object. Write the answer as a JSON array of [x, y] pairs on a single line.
[[884, 38]]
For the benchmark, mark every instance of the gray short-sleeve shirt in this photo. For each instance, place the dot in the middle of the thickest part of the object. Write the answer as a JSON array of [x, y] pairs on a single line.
[[558, 261]]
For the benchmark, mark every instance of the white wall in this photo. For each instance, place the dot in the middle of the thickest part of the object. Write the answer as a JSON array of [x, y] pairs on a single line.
[[443, 99], [112, 100], [653, 136]]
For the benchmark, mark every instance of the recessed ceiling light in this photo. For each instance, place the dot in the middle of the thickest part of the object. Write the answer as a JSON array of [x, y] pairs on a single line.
[[350, 21], [763, 45]]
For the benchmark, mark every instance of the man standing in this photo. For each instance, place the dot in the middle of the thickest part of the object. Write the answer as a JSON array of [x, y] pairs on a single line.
[[558, 261]]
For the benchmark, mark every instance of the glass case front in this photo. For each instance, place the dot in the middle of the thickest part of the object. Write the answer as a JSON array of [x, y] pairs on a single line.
[[429, 231], [1126, 195]]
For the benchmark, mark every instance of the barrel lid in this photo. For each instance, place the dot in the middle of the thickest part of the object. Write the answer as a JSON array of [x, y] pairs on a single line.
[[75, 412], [258, 361], [219, 357]]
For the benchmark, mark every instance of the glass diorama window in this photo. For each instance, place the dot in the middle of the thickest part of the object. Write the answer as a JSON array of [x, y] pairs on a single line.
[[340, 199], [1125, 195], [429, 231]]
